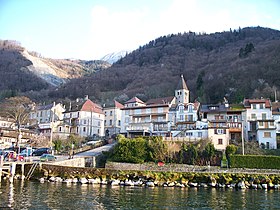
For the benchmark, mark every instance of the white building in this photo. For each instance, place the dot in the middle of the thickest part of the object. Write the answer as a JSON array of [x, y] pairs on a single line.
[[113, 115], [260, 124], [150, 118], [48, 118], [83, 118]]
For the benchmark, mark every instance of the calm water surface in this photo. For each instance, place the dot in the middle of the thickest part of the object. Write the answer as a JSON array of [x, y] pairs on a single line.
[[34, 195]]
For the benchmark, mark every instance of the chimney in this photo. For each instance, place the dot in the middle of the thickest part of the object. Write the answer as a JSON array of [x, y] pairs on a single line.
[[86, 97]]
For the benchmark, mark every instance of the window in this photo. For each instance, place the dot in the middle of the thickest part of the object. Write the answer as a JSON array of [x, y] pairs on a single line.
[[106, 113], [126, 120], [105, 122], [110, 122], [190, 107], [181, 117], [181, 109], [271, 123], [99, 123], [111, 113], [220, 131], [148, 111], [160, 110], [220, 141], [261, 106], [267, 135], [189, 134], [199, 134], [160, 119], [264, 116], [254, 106], [253, 116], [85, 122], [261, 123], [84, 129], [137, 111], [126, 112], [119, 123]]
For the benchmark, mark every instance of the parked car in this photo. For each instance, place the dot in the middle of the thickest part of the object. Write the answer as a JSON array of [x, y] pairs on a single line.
[[27, 152], [47, 157], [12, 156], [41, 151]]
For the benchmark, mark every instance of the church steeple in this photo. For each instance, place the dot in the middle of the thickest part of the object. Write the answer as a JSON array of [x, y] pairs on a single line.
[[182, 92]]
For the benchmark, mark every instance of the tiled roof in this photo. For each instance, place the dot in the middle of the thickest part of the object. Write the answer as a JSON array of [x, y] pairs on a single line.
[[165, 100], [118, 105], [45, 107], [133, 100], [247, 102], [87, 105]]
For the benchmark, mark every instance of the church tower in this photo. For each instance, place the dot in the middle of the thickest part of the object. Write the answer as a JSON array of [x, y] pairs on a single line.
[[182, 92]]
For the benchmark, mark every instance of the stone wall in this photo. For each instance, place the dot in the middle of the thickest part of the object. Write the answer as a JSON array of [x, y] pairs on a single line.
[[76, 162], [185, 168]]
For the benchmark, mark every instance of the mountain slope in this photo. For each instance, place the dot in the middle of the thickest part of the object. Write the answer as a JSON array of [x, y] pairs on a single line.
[[22, 71], [236, 64]]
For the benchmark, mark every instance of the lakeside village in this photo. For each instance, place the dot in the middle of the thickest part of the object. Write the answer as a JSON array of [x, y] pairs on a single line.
[[174, 119]]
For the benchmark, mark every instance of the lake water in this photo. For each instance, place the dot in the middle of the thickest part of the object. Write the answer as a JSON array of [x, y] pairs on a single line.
[[35, 195]]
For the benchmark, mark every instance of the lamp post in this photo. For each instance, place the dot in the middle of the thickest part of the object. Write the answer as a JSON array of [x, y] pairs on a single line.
[[242, 138]]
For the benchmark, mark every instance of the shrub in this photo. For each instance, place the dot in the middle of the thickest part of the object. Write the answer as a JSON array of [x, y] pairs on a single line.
[[255, 161]]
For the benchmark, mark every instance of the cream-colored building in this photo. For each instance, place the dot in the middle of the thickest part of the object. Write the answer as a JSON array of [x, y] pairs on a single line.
[[48, 118], [113, 117]]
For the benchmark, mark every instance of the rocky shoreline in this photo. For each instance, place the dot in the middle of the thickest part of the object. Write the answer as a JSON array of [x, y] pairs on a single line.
[[151, 183]]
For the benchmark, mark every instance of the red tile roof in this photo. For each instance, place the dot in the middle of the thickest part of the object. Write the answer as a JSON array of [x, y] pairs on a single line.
[[118, 104], [134, 100], [89, 106], [248, 102], [165, 100]]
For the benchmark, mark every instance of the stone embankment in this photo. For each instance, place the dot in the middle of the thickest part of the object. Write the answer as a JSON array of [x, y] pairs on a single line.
[[186, 168], [142, 182]]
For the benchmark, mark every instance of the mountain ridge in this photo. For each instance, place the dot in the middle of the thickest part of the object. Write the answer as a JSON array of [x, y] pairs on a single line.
[[236, 64], [214, 65]]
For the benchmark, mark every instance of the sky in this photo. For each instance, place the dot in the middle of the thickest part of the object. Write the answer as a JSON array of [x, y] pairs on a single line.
[[90, 29]]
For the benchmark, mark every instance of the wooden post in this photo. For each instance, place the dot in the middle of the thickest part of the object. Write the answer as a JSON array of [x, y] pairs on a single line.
[[12, 171], [22, 171]]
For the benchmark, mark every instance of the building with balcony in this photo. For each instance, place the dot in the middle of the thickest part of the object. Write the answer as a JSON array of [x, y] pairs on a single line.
[[146, 119], [84, 118], [260, 124], [276, 116], [47, 118], [218, 130], [113, 115]]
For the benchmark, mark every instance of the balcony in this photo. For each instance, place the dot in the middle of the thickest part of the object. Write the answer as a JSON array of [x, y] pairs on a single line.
[[234, 126]]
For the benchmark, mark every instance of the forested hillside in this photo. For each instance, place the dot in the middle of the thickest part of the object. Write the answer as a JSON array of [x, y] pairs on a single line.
[[24, 72], [236, 64]]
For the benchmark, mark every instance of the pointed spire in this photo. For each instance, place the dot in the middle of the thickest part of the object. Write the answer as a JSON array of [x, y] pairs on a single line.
[[182, 84]]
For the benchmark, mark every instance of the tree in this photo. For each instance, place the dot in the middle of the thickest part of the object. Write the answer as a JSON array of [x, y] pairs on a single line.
[[17, 108], [209, 151], [156, 149], [192, 154], [230, 150]]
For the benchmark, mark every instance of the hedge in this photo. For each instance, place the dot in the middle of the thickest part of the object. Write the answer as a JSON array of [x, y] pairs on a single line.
[[255, 161]]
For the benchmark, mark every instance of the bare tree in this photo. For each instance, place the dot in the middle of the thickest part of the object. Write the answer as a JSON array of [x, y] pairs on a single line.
[[18, 109]]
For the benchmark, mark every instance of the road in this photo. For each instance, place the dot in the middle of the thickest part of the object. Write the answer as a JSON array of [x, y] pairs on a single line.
[[95, 152]]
